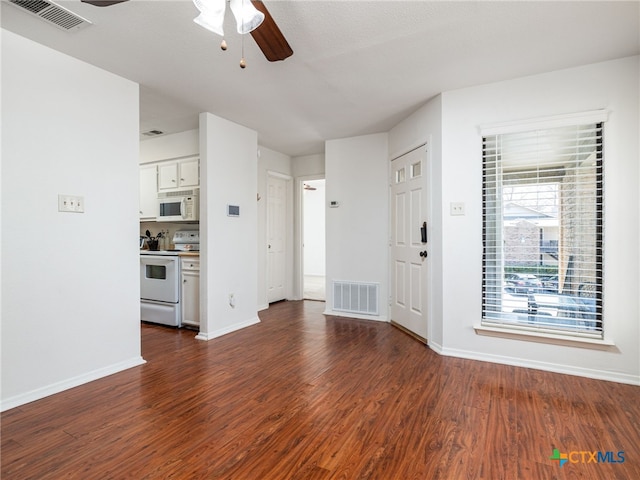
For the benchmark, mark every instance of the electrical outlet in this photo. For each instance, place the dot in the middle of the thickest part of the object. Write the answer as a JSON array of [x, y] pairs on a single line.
[[71, 203], [456, 208]]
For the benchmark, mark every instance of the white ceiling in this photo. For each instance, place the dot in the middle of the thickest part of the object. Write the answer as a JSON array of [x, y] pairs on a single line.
[[358, 67]]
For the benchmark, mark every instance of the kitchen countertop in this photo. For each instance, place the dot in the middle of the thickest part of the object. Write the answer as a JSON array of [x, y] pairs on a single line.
[[195, 253]]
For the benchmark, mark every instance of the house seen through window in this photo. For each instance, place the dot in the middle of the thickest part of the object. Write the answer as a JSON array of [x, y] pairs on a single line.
[[543, 229]]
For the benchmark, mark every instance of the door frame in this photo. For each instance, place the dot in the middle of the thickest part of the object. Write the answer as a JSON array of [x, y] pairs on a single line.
[[298, 280], [288, 267], [428, 197]]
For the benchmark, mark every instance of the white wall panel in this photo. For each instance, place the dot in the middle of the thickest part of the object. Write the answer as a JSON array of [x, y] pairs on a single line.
[[228, 176], [176, 145], [70, 281], [357, 172]]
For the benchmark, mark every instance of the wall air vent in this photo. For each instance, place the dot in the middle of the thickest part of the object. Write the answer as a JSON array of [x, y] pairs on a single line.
[[53, 14], [355, 297]]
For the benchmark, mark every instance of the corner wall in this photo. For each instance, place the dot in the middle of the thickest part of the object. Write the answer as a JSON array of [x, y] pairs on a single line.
[[357, 176], [70, 281], [228, 258]]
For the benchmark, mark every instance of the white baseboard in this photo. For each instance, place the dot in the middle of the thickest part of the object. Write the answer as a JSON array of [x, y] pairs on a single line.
[[377, 318], [223, 331], [263, 307], [540, 365], [63, 385], [436, 347]]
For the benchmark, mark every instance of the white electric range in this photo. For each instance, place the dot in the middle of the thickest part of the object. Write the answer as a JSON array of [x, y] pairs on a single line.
[[160, 280]]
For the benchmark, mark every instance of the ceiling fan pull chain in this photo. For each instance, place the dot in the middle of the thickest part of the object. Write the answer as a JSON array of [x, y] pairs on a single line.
[[243, 64]]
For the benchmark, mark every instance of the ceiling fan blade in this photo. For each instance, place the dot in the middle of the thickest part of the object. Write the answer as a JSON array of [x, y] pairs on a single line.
[[103, 3], [269, 37]]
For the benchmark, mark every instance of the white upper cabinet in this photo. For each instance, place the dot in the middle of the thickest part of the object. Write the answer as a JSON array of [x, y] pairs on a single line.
[[179, 174], [167, 176], [189, 172], [148, 192]]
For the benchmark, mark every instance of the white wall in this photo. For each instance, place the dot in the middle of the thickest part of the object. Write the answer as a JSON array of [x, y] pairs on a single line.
[[272, 161], [166, 147], [308, 165], [612, 86], [70, 281], [358, 231], [228, 258]]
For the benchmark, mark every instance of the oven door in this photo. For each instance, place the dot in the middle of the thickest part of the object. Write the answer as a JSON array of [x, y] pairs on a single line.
[[159, 278]]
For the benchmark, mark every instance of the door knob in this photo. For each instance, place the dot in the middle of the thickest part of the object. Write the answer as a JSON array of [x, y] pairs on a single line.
[[423, 254]]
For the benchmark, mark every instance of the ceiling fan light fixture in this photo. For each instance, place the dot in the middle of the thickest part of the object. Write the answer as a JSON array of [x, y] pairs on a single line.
[[247, 16], [211, 15]]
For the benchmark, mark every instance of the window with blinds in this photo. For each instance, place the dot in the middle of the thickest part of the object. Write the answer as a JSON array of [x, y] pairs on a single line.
[[543, 231]]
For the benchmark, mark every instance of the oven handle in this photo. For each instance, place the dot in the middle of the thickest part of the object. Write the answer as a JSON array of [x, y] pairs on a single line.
[[157, 261]]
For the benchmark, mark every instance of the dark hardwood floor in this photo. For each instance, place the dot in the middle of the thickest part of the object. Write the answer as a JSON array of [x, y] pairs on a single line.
[[304, 396]]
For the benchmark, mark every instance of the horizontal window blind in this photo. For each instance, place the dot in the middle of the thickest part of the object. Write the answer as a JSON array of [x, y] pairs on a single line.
[[543, 230]]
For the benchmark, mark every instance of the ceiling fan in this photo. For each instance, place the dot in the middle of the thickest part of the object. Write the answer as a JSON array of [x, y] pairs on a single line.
[[268, 35]]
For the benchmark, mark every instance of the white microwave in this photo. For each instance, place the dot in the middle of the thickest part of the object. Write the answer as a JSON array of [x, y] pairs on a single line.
[[179, 206]]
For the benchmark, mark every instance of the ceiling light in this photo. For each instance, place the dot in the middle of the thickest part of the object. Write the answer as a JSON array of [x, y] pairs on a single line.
[[211, 17], [248, 17]]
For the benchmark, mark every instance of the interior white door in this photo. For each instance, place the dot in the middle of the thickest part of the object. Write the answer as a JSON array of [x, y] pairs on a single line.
[[276, 238], [409, 261]]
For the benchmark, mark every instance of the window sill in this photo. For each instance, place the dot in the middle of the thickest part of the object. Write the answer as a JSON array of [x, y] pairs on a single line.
[[600, 344]]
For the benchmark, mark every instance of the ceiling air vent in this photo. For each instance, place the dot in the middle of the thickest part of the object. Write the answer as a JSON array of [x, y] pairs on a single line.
[[152, 133], [53, 14]]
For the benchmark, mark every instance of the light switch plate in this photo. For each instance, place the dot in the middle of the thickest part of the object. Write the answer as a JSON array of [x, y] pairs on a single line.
[[71, 203], [456, 208]]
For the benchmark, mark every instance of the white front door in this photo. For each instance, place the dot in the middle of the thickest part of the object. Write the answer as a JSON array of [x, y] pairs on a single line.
[[276, 237], [409, 262]]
